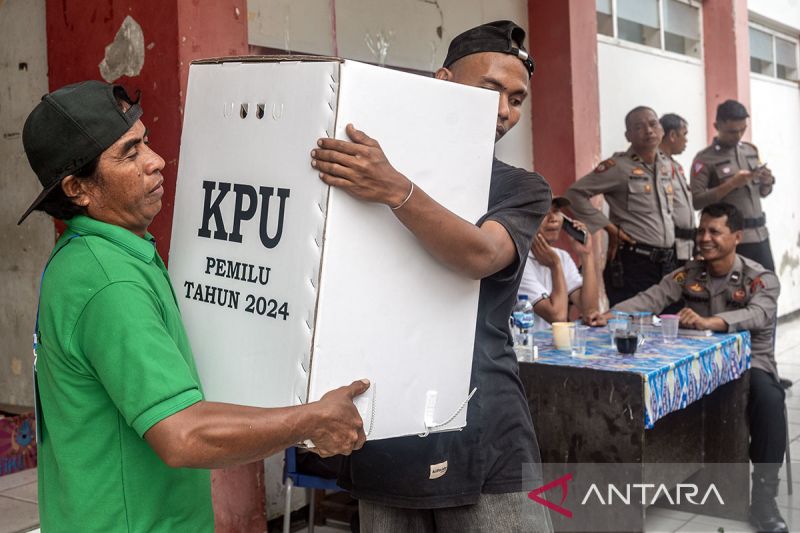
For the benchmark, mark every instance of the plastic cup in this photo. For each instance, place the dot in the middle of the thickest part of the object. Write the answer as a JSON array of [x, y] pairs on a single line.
[[561, 335], [577, 337], [669, 328], [640, 322]]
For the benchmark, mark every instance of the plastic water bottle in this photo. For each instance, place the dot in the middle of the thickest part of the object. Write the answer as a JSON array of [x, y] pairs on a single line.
[[522, 328]]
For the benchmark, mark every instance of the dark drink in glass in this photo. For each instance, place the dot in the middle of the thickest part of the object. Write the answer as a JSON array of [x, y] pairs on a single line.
[[626, 344]]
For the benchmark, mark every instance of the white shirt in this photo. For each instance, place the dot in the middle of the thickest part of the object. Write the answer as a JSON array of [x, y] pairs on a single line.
[[537, 282]]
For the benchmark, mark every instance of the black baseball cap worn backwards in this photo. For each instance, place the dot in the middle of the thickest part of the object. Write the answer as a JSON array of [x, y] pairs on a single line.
[[500, 36], [72, 126]]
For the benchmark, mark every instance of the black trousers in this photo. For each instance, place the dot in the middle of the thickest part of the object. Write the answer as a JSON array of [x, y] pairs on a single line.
[[638, 273], [760, 252], [767, 418]]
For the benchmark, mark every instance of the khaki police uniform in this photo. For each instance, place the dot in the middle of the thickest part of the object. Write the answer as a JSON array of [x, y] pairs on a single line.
[[682, 214], [717, 163], [747, 299], [640, 198]]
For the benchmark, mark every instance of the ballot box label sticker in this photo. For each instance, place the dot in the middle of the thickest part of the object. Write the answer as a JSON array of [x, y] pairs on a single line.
[[244, 195], [438, 470], [268, 205]]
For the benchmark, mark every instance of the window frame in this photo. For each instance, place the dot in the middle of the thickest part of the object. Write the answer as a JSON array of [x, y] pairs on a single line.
[[661, 50], [775, 34]]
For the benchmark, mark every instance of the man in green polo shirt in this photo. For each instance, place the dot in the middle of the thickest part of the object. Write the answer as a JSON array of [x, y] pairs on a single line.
[[126, 437]]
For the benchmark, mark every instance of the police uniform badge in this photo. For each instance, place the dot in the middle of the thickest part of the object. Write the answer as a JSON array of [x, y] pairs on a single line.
[[679, 277], [697, 167], [637, 172], [739, 295], [696, 287], [756, 284], [605, 165]]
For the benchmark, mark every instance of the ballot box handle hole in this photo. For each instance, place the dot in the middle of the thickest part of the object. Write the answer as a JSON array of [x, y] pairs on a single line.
[[259, 111], [243, 110]]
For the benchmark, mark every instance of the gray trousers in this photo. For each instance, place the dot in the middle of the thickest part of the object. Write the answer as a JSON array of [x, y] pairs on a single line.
[[501, 513]]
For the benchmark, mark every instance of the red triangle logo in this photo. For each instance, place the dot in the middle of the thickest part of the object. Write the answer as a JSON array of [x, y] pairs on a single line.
[[560, 482]]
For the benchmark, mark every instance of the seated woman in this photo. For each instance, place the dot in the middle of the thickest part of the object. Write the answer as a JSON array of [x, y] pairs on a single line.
[[552, 280]]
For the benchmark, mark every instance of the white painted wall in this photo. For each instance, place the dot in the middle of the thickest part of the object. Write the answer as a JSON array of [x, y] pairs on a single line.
[[775, 123], [404, 30], [785, 12], [629, 77]]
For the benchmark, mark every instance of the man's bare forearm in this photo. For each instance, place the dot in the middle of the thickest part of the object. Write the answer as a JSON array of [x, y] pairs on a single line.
[[217, 435], [590, 297], [476, 252]]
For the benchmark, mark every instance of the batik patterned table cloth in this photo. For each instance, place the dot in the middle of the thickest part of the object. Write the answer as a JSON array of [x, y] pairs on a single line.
[[674, 375]]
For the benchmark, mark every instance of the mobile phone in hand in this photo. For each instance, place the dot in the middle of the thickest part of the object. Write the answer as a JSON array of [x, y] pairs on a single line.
[[759, 168], [568, 225]]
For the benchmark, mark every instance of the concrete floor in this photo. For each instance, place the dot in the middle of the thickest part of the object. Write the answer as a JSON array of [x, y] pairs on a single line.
[[18, 492]]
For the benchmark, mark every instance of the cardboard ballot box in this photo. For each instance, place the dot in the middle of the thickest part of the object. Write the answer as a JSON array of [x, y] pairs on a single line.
[[289, 288]]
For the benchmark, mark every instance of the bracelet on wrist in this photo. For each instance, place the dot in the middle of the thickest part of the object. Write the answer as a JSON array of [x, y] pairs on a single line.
[[401, 204]]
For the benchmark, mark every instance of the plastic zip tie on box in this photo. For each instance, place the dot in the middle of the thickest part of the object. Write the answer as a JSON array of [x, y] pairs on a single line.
[[430, 406]]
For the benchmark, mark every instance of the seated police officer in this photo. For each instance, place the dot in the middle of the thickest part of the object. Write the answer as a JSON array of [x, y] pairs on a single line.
[[637, 185], [728, 292]]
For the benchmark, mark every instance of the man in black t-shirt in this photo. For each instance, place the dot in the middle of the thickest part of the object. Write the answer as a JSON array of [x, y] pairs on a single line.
[[477, 478]]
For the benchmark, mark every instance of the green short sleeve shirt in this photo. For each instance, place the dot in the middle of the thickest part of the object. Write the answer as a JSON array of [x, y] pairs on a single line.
[[113, 360]]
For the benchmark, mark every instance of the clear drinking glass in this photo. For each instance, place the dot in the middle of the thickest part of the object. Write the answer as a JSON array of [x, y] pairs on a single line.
[[669, 328], [614, 325], [577, 339]]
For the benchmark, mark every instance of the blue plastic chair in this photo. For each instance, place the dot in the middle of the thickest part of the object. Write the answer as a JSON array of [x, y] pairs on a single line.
[[292, 478]]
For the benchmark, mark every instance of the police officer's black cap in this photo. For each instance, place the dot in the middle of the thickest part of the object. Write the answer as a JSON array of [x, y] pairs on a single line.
[[500, 36], [70, 127]]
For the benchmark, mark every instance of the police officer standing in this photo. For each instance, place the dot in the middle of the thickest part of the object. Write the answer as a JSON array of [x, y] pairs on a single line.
[[637, 185], [728, 292], [730, 171], [674, 143]]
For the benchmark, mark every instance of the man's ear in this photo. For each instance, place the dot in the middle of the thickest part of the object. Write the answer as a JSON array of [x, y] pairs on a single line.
[[738, 236], [627, 136], [443, 74], [716, 125], [76, 190]]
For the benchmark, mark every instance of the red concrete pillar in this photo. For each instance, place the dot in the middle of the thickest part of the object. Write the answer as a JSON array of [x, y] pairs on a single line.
[[565, 102], [152, 44], [174, 33], [726, 50]]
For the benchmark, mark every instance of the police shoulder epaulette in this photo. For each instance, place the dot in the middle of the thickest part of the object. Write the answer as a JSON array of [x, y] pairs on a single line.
[[691, 267], [751, 145]]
